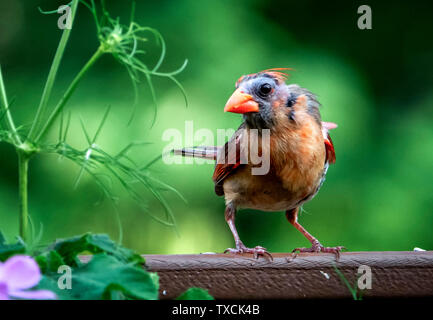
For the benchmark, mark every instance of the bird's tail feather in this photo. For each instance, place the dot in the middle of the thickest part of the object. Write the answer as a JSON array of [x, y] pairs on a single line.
[[202, 152]]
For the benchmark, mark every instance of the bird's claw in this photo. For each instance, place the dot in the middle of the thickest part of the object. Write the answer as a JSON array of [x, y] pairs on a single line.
[[317, 247], [256, 251]]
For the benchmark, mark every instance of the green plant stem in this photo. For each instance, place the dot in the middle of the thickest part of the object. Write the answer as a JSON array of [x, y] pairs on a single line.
[[66, 96], [23, 169], [9, 120], [52, 74]]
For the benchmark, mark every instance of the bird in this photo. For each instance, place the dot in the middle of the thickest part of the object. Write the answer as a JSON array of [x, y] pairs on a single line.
[[284, 123]]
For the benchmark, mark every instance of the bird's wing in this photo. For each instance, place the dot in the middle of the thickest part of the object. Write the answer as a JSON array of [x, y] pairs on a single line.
[[330, 151], [229, 159]]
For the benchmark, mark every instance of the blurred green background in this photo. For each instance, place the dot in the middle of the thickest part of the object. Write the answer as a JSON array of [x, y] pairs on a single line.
[[376, 84]]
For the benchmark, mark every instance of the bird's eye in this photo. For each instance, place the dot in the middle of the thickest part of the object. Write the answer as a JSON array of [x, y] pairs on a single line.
[[265, 89]]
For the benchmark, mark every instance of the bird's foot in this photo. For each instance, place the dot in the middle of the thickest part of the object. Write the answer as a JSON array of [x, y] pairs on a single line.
[[317, 247], [256, 251]]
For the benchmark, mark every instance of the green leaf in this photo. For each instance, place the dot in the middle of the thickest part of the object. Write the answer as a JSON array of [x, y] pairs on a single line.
[[50, 283], [105, 277], [49, 261], [113, 273], [8, 250], [2, 239], [94, 243], [195, 294], [113, 292]]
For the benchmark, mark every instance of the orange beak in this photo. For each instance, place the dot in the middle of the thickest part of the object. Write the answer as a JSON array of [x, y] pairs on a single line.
[[241, 102]]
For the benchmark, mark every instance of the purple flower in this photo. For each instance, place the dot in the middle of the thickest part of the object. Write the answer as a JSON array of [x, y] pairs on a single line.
[[19, 273]]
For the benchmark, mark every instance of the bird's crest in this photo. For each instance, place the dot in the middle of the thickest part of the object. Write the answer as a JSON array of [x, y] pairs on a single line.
[[276, 73]]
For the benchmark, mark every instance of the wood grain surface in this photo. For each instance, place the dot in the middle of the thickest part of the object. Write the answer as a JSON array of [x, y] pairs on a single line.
[[394, 274]]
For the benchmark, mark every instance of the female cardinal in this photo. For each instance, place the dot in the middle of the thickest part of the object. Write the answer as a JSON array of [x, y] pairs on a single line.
[[299, 151]]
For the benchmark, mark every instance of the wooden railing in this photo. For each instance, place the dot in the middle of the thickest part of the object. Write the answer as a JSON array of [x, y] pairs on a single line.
[[288, 276]]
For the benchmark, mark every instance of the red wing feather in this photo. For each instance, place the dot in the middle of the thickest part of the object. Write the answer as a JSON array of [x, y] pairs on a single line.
[[330, 151], [228, 161]]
